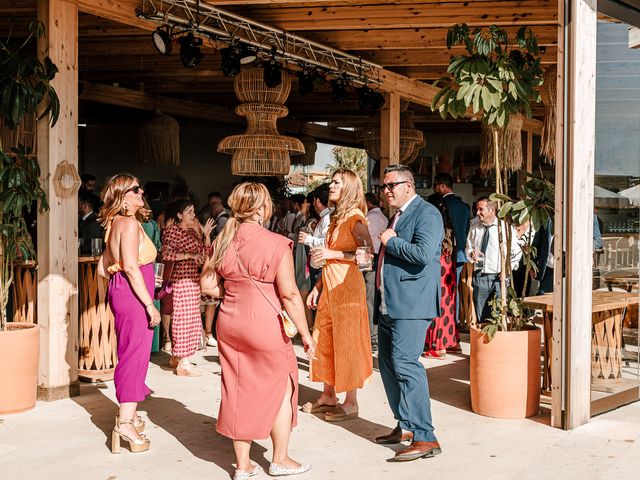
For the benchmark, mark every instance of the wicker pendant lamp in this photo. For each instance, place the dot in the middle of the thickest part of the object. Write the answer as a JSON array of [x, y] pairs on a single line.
[[261, 150], [159, 141], [511, 156], [410, 137], [309, 156], [549, 95]]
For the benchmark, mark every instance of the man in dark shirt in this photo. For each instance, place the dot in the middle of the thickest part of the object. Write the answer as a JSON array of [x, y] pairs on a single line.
[[88, 227]]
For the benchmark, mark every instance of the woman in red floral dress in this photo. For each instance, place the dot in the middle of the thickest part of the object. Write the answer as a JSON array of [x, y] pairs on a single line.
[[187, 244]]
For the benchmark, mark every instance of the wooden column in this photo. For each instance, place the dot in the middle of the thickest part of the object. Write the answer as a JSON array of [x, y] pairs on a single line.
[[579, 168], [57, 228], [389, 132]]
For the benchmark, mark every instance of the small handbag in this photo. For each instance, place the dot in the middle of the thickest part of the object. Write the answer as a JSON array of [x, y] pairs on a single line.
[[167, 286], [290, 329]]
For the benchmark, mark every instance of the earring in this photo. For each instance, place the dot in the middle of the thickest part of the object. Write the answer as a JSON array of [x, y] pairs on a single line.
[[125, 209], [260, 220]]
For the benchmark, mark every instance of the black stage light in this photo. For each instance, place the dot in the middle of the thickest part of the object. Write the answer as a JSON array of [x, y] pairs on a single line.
[[339, 89], [190, 54], [230, 62], [162, 40], [247, 54], [305, 81], [272, 73], [370, 101]]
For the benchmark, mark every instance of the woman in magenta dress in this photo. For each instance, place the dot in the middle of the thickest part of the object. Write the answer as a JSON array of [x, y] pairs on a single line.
[[185, 243], [128, 263], [259, 366]]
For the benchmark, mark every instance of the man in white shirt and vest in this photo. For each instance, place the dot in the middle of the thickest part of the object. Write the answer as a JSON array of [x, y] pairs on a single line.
[[483, 250]]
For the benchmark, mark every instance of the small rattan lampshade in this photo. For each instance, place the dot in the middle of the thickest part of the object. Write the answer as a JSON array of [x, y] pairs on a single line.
[[159, 140], [66, 180], [549, 96], [512, 134], [410, 137], [309, 155], [260, 150], [23, 134]]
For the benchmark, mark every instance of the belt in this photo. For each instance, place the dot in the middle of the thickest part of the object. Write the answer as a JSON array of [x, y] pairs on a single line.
[[480, 274]]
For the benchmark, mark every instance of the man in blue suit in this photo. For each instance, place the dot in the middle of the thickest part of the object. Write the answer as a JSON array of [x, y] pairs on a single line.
[[459, 217], [408, 282]]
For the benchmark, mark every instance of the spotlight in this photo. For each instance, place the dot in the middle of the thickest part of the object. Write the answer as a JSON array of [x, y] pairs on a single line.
[[272, 73], [339, 89], [305, 81], [230, 63], [370, 101], [162, 40], [190, 54], [247, 54]]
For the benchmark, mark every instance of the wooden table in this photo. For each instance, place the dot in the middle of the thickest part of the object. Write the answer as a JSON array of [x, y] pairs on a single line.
[[627, 278], [97, 355], [608, 310]]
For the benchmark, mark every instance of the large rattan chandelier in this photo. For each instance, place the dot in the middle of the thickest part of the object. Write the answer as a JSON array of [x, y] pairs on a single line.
[[309, 156], [260, 150], [411, 139]]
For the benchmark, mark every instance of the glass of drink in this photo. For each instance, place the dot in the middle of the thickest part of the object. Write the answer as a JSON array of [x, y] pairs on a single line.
[[96, 247], [479, 263], [158, 271], [314, 263], [81, 246], [364, 259]]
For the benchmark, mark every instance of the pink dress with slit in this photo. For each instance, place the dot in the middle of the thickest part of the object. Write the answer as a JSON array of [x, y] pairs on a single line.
[[257, 358]]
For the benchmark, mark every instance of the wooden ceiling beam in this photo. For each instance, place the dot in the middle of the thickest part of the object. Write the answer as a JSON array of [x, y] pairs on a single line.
[[124, 97], [363, 17], [8, 7]]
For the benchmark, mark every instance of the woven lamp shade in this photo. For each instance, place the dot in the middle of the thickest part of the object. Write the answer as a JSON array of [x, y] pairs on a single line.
[[159, 141], [23, 134], [260, 150], [410, 138], [309, 155], [512, 134], [549, 95]]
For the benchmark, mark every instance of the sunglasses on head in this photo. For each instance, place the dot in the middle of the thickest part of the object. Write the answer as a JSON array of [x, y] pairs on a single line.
[[390, 186], [135, 189]]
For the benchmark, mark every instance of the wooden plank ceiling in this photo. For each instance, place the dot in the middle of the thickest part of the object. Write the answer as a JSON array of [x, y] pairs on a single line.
[[405, 36]]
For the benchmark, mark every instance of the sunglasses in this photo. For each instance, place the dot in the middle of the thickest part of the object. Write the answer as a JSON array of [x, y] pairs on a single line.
[[135, 189], [392, 185]]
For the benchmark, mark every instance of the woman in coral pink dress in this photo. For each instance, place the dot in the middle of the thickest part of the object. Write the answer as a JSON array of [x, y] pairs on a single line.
[[253, 267]]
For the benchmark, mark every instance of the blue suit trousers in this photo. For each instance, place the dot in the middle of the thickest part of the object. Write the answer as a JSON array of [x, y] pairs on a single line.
[[400, 344]]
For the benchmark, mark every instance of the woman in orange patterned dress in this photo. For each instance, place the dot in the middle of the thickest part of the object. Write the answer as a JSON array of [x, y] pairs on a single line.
[[343, 356]]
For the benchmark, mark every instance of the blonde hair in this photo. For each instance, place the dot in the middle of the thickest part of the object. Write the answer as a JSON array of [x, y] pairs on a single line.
[[351, 195], [245, 200], [112, 197]]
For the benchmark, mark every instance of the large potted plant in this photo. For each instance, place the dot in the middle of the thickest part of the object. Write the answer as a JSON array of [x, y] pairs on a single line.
[[497, 81], [24, 88]]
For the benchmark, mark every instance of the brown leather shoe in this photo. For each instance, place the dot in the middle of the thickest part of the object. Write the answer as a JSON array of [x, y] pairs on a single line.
[[418, 450], [397, 435]]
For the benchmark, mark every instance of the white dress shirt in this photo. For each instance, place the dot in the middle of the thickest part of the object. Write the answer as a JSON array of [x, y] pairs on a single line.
[[383, 305], [492, 255], [320, 232], [377, 223]]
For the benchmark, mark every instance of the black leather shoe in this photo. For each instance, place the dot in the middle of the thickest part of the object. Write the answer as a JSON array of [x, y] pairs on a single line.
[[397, 435]]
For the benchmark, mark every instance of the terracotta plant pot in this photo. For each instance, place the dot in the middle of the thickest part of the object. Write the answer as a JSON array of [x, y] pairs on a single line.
[[505, 373], [19, 356]]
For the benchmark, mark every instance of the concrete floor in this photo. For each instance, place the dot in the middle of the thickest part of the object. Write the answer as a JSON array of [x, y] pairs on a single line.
[[70, 439]]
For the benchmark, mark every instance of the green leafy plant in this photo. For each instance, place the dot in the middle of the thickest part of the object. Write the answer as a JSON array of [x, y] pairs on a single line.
[[495, 80], [25, 87]]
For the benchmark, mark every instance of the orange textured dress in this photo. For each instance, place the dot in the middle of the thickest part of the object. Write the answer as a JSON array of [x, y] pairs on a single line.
[[343, 355], [257, 358]]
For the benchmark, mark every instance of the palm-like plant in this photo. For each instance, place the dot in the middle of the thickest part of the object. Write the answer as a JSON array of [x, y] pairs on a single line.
[[350, 158], [495, 80]]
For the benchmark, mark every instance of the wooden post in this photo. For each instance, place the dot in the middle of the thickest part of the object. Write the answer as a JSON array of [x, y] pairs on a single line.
[[528, 160], [57, 228], [579, 168], [389, 132]]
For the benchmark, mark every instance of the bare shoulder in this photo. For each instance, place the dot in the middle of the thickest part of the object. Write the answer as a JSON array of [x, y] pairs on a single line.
[[125, 225]]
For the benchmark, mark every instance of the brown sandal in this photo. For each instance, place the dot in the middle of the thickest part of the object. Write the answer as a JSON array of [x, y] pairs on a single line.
[[339, 414], [315, 407]]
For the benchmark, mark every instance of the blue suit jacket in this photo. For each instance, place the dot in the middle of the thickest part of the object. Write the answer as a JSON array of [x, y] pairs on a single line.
[[412, 263], [459, 216]]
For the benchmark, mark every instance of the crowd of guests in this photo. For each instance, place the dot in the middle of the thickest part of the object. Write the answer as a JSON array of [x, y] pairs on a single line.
[[243, 263]]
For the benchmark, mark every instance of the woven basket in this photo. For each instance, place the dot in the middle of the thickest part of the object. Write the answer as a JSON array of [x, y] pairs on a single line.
[[309, 155], [410, 138], [250, 87], [24, 134], [512, 134], [549, 96], [159, 141], [260, 162]]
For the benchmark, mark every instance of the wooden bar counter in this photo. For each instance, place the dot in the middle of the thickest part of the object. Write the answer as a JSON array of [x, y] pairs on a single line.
[[97, 354]]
